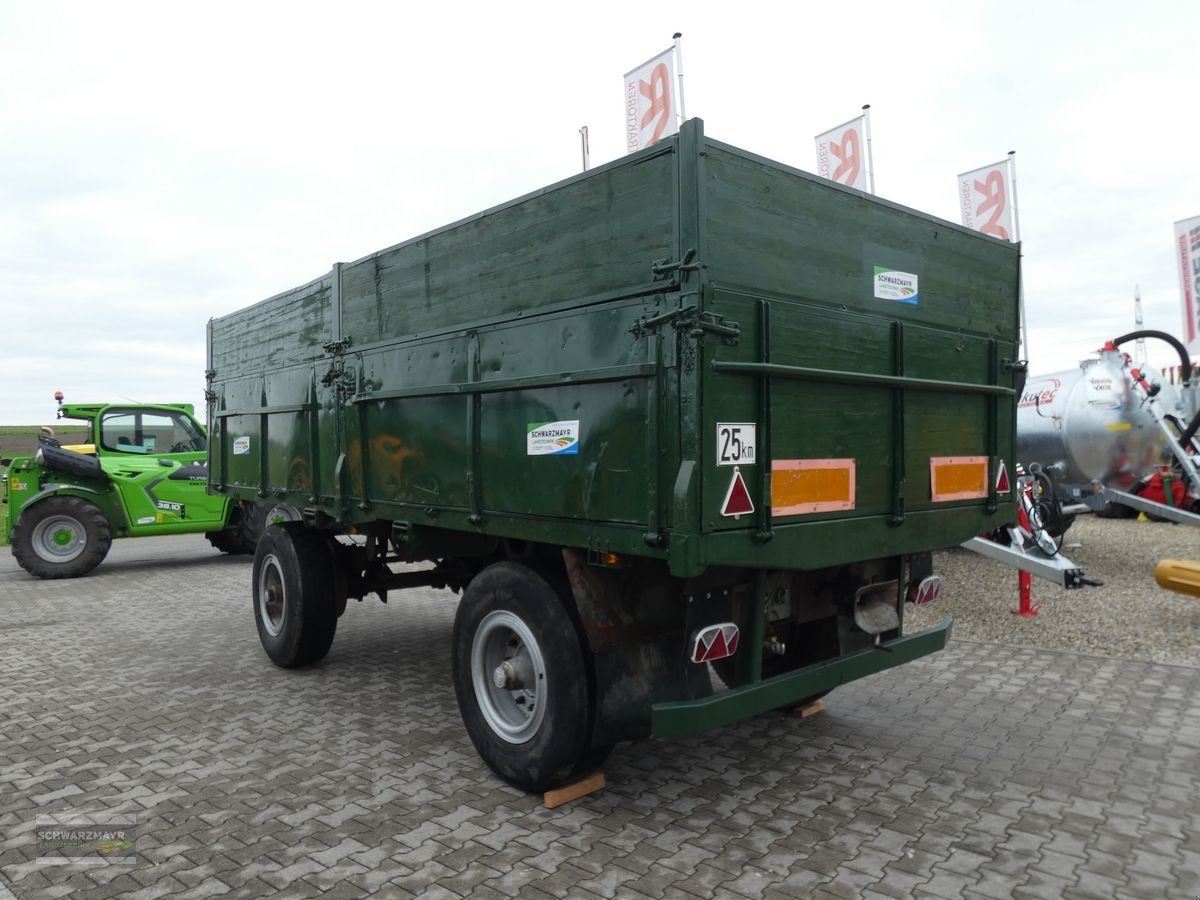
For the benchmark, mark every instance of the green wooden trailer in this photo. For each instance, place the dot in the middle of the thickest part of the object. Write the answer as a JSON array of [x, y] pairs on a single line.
[[691, 412]]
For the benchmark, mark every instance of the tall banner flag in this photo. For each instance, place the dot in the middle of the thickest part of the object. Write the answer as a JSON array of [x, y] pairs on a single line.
[[843, 154], [1187, 252], [650, 102], [987, 199]]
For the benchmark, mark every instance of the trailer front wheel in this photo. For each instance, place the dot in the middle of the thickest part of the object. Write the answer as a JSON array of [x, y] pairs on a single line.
[[294, 605], [520, 676]]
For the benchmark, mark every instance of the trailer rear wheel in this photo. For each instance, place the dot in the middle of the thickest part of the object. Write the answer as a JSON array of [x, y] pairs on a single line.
[[294, 605], [61, 537], [521, 679]]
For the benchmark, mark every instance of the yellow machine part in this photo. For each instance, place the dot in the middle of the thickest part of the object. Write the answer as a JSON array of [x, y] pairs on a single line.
[[1179, 575], [90, 449]]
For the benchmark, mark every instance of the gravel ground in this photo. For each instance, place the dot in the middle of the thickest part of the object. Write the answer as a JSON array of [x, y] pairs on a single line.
[[1130, 616]]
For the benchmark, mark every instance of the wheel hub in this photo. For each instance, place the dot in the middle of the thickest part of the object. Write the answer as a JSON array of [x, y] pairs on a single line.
[[508, 674], [59, 539], [272, 600], [512, 674]]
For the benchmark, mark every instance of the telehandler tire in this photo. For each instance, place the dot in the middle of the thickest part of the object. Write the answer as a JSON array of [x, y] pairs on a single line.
[[228, 541], [294, 604], [521, 679], [61, 537], [243, 532]]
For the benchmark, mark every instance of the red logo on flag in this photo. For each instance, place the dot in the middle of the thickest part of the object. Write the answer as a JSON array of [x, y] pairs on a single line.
[[993, 192], [847, 155], [658, 91], [737, 498]]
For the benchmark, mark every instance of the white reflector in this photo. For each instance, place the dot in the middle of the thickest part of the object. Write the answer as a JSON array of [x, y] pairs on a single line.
[[715, 642]]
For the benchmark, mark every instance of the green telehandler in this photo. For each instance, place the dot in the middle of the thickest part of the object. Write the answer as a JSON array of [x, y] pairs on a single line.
[[142, 471]]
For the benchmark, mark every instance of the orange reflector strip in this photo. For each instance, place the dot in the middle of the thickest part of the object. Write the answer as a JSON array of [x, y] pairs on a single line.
[[958, 478], [803, 486]]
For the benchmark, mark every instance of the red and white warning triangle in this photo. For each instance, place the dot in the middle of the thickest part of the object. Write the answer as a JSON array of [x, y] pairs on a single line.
[[737, 498], [1002, 485]]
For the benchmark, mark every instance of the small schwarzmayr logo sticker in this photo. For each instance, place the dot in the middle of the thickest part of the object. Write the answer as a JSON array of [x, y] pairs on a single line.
[[891, 284], [552, 438]]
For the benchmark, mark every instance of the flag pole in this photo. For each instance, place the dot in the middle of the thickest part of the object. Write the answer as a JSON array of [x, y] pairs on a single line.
[[870, 160], [1012, 178], [679, 69], [1140, 346], [583, 140]]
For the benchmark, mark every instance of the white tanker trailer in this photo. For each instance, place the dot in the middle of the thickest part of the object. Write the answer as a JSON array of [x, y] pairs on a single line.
[[1104, 429]]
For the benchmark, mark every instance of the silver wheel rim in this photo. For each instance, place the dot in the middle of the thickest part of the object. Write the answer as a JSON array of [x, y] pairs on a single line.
[[272, 601], [59, 539], [509, 676]]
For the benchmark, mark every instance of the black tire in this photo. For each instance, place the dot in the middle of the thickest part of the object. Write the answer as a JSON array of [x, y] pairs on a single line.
[[245, 528], [538, 738], [1112, 510], [61, 537], [592, 760], [228, 541], [82, 465], [294, 605], [251, 521]]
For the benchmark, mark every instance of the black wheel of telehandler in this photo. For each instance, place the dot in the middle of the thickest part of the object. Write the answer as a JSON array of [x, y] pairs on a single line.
[[294, 605], [245, 528], [61, 537], [252, 520], [521, 679], [228, 541]]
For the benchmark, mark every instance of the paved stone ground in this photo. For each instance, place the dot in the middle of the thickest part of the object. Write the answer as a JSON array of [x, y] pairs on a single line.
[[985, 771]]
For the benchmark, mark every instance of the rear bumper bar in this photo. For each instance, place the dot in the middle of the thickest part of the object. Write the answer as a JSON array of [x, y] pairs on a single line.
[[691, 716]]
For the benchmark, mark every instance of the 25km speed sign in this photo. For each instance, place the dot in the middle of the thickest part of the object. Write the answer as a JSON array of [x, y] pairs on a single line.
[[736, 443]]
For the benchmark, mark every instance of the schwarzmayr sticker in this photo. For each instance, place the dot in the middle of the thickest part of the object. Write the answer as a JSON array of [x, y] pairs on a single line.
[[893, 285], [552, 438]]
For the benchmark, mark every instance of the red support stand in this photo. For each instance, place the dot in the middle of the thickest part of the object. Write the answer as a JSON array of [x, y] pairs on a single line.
[[1028, 608]]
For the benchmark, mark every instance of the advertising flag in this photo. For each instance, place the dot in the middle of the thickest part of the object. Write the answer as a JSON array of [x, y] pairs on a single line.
[[1187, 253], [986, 198], [650, 105], [842, 154]]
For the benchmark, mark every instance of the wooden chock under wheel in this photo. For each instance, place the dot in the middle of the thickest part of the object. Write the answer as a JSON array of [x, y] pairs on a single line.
[[588, 784], [809, 710]]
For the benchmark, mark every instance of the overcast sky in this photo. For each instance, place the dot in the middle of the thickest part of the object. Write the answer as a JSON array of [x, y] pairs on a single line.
[[163, 163]]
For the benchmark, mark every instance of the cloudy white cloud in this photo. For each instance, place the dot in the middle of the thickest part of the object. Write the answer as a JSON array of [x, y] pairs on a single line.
[[161, 163]]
